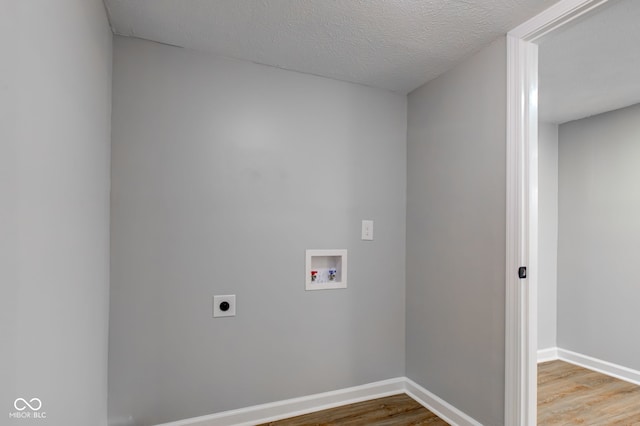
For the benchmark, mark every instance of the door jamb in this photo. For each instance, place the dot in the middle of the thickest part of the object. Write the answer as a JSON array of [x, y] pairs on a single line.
[[522, 206]]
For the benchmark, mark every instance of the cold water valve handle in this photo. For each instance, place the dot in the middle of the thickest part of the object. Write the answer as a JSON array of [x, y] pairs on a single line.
[[332, 274]]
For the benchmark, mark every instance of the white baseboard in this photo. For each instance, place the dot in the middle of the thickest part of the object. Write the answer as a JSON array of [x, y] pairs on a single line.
[[604, 367], [273, 411], [270, 412], [549, 354], [435, 404]]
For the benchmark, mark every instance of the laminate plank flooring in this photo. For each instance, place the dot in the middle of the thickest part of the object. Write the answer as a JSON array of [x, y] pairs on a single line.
[[572, 395], [396, 410]]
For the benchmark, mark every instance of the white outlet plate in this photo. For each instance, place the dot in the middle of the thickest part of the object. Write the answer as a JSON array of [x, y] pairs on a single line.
[[367, 230], [230, 299]]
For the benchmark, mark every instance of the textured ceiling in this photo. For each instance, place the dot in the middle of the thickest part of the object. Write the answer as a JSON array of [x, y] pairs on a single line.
[[591, 66], [397, 45]]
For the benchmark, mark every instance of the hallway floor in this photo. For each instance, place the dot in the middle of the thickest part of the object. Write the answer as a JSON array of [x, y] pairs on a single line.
[[572, 395]]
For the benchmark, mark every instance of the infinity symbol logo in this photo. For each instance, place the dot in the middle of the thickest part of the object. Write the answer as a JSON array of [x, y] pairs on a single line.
[[21, 404]]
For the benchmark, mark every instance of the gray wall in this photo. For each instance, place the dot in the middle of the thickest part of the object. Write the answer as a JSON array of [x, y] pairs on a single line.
[[599, 236], [55, 108], [547, 234], [224, 172], [456, 235]]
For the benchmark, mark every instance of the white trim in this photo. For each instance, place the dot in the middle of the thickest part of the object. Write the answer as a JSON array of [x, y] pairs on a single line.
[[437, 405], [521, 235], [279, 410], [513, 241], [604, 367], [531, 235], [548, 354], [554, 17], [265, 413], [521, 232]]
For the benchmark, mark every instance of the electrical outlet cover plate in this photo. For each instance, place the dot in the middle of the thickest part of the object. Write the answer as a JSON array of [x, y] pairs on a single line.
[[367, 230], [230, 299]]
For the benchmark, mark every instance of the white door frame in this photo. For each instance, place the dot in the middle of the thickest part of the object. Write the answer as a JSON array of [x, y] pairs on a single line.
[[521, 314]]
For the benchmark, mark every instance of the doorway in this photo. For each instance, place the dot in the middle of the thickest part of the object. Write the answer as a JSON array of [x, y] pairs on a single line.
[[522, 267]]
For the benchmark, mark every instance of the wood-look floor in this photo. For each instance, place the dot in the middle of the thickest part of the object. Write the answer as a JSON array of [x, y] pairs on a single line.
[[567, 395], [572, 395], [400, 410]]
